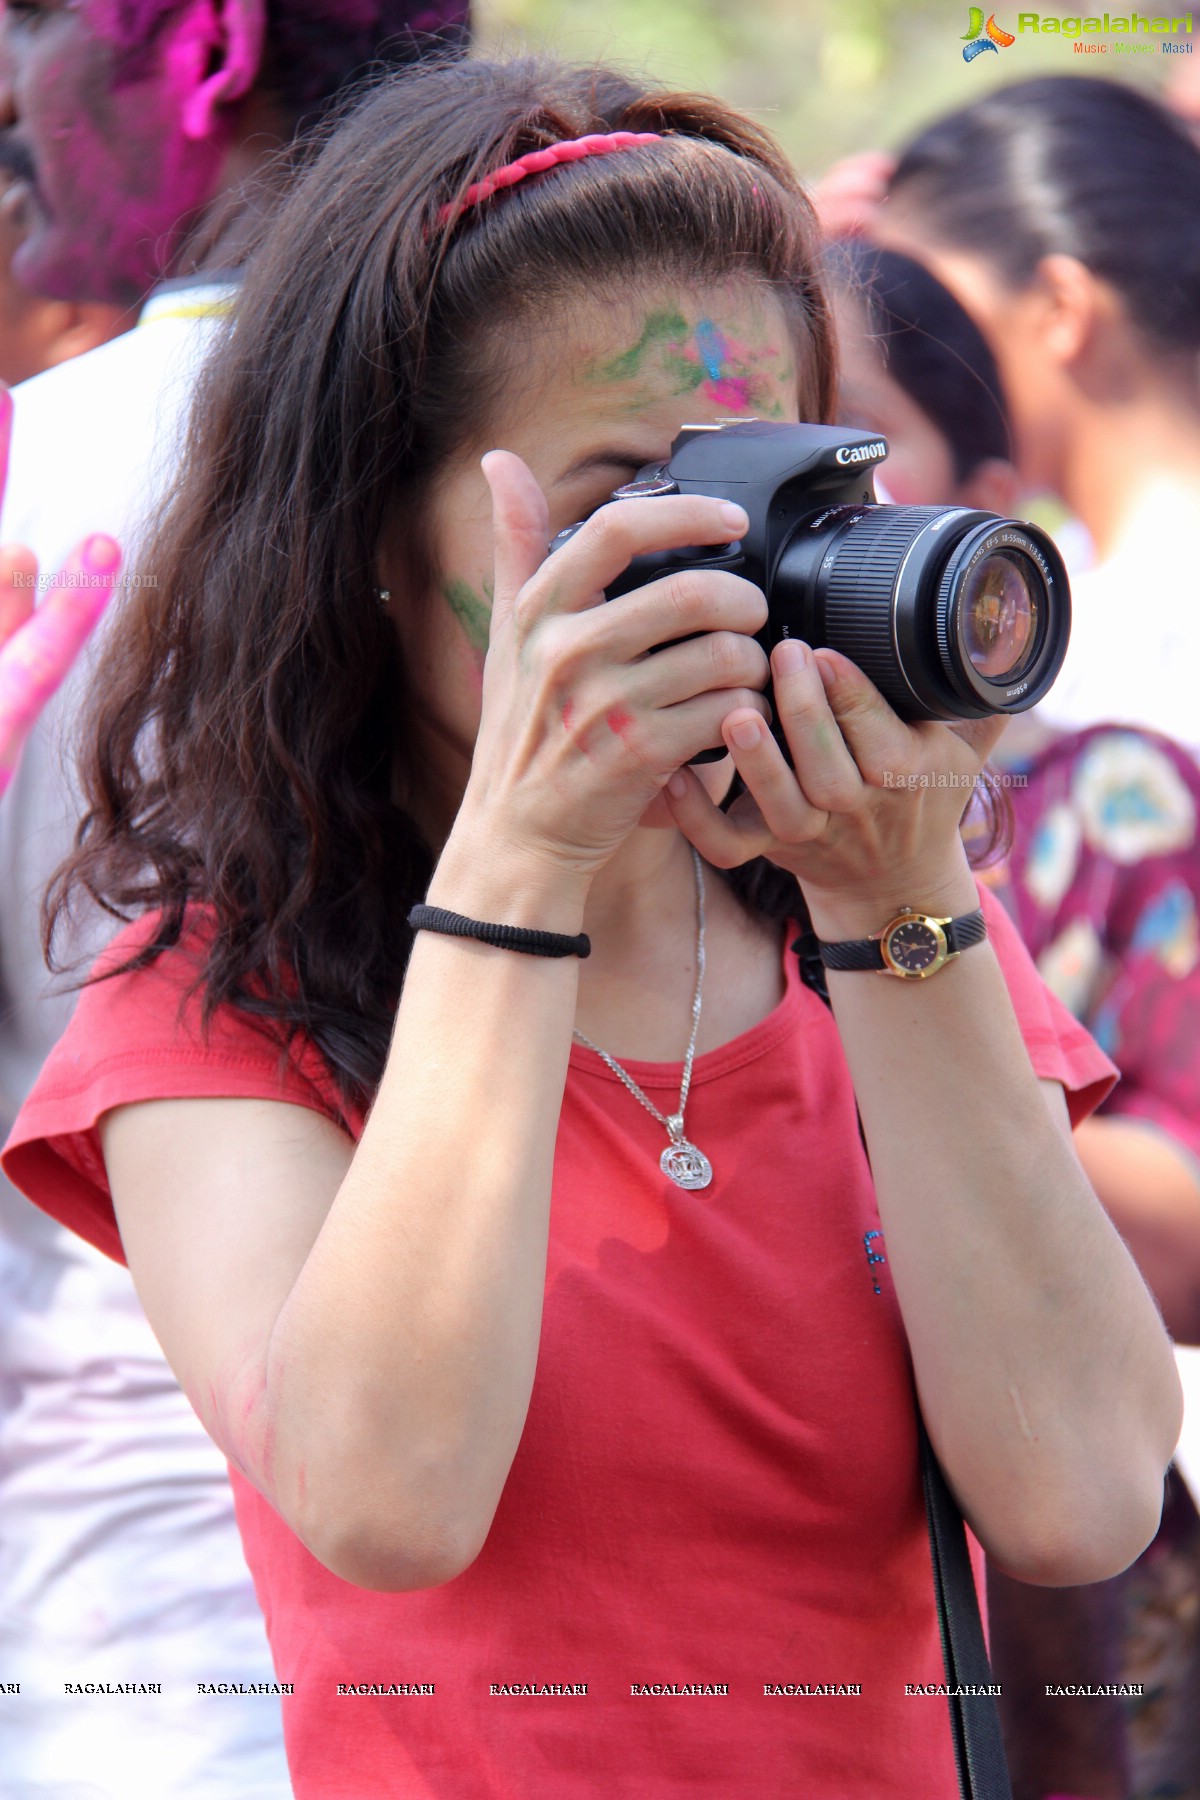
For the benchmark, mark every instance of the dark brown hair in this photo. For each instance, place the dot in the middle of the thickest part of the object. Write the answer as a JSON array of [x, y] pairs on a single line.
[[1074, 165], [251, 720], [931, 347]]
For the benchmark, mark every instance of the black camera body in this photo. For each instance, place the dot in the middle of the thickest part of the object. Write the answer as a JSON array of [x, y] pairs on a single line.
[[952, 613]]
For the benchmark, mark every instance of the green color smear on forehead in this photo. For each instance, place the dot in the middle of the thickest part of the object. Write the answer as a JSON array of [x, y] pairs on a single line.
[[473, 613], [662, 331]]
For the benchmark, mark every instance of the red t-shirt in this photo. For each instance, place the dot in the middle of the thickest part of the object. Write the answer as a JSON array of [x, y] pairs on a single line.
[[715, 1506]]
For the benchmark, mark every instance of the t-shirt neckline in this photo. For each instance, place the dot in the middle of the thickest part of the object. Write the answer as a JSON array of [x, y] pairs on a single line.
[[748, 1046]]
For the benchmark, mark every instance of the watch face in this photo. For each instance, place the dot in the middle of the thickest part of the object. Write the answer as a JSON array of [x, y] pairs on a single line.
[[914, 947]]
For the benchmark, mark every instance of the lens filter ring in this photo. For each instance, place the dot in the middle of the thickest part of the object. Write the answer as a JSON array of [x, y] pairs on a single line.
[[1003, 615]]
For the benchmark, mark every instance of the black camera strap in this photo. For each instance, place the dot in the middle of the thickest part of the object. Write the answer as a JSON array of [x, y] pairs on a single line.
[[974, 1717]]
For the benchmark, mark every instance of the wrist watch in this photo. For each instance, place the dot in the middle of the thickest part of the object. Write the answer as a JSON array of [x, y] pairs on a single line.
[[913, 945]]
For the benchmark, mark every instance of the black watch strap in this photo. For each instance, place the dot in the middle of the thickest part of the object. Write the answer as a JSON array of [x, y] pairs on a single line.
[[867, 953], [961, 933]]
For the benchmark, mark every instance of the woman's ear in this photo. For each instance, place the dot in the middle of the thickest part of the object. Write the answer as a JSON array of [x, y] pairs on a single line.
[[1068, 303], [993, 486], [226, 39]]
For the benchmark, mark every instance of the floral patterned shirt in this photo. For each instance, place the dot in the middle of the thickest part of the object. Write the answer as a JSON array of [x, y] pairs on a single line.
[[1104, 881]]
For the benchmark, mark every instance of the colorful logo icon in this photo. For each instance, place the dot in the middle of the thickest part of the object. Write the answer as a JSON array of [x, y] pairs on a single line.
[[980, 37]]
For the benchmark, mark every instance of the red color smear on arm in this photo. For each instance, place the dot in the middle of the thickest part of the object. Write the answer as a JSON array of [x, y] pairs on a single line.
[[618, 720], [568, 711], [239, 1421]]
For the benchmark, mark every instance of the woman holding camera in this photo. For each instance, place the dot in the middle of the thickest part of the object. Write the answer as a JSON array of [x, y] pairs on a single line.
[[556, 1328]]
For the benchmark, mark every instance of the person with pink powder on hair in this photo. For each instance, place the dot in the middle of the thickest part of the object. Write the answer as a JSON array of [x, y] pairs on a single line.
[[146, 138]]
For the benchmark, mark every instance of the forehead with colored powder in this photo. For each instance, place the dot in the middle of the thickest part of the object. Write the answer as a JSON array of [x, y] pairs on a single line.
[[630, 368], [729, 348]]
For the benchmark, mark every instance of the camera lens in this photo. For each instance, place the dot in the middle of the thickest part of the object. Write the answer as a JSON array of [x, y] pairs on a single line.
[[953, 613], [1000, 615]]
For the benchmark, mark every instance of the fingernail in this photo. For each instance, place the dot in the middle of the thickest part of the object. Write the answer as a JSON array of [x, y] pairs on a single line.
[[735, 517], [677, 786], [828, 673], [790, 655], [746, 733], [101, 555]]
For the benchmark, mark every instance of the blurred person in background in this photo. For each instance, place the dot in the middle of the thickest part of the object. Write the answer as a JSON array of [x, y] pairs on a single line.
[[146, 141], [1182, 91], [914, 366], [1080, 258], [37, 332]]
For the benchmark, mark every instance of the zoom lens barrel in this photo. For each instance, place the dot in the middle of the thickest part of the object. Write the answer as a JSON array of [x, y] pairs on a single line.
[[952, 613]]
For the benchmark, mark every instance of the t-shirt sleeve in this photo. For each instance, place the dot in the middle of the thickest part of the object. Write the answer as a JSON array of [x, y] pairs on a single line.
[[1059, 1047], [138, 1036]]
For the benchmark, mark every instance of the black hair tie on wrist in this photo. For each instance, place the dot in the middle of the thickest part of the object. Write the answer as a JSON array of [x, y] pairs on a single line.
[[503, 937]]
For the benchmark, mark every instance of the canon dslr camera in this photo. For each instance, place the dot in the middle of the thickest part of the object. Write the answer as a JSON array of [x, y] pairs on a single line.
[[952, 613]]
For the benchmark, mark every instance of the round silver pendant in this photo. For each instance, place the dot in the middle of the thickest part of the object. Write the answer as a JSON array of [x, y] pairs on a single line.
[[687, 1166]]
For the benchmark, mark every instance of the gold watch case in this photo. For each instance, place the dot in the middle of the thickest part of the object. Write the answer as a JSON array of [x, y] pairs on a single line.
[[913, 945]]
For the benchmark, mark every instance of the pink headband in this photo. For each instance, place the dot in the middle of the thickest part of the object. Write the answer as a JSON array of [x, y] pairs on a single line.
[[573, 150]]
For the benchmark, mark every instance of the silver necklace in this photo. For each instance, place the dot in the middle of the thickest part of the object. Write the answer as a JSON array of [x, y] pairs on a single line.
[[686, 1166]]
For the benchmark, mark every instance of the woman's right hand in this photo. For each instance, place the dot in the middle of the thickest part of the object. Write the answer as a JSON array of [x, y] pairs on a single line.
[[584, 718]]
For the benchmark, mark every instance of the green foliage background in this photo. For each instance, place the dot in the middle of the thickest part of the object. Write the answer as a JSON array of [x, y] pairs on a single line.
[[827, 76]]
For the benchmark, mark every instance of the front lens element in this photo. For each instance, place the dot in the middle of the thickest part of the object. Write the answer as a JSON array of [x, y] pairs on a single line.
[[999, 613]]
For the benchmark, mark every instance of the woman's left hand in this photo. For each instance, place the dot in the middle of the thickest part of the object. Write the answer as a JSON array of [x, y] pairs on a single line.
[[868, 816]]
